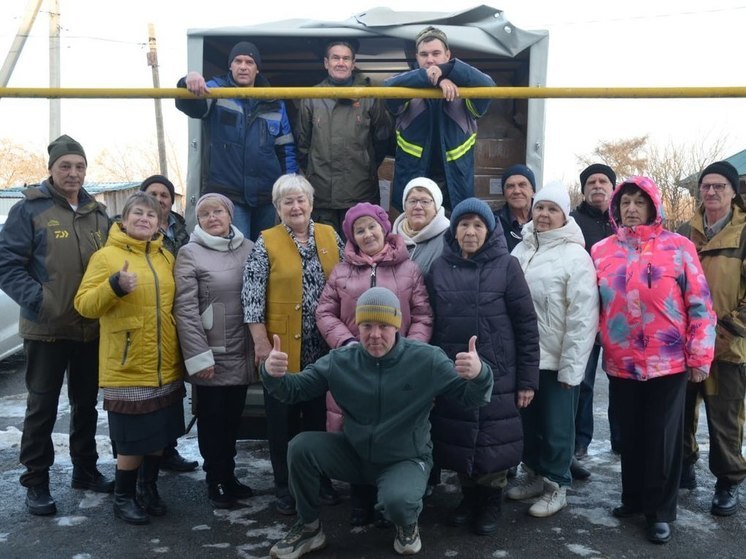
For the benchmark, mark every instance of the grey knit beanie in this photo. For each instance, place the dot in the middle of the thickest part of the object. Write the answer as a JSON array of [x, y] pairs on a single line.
[[378, 304]]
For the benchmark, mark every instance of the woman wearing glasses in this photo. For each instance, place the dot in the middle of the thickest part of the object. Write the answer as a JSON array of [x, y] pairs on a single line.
[[423, 223]]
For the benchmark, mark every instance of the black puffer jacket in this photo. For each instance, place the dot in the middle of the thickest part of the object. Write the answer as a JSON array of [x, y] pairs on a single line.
[[486, 296]]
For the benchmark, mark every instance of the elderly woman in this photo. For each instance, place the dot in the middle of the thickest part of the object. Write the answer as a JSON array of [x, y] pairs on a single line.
[[129, 287], [561, 277], [373, 257], [283, 279], [423, 223], [477, 288], [657, 329], [217, 348]]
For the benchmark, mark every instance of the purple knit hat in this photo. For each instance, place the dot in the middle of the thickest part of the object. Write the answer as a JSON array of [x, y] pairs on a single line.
[[365, 209]]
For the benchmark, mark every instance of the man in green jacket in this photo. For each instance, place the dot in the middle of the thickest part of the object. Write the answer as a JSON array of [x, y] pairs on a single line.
[[385, 386], [341, 142]]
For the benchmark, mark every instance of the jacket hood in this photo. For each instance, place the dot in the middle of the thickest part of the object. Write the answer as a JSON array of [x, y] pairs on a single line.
[[570, 232], [397, 255], [648, 187], [86, 202], [118, 238]]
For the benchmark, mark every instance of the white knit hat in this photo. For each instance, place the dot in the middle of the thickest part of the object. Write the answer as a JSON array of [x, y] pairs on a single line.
[[429, 185], [555, 192]]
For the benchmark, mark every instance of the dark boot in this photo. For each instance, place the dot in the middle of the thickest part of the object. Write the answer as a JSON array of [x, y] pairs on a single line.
[[87, 476], [488, 514], [126, 506], [39, 501], [467, 509], [147, 488], [688, 478]]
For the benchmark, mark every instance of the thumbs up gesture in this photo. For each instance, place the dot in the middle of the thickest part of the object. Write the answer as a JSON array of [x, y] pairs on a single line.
[[468, 363], [127, 280], [277, 361]]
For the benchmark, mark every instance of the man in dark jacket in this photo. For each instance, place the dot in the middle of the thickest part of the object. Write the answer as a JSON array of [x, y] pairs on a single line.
[[435, 138], [45, 246], [385, 403], [597, 182], [341, 142], [247, 143], [519, 186]]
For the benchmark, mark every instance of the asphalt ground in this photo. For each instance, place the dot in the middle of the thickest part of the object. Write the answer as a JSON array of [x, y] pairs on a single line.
[[85, 528]]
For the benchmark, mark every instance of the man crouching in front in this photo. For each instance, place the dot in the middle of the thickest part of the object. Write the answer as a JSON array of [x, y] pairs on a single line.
[[385, 386]]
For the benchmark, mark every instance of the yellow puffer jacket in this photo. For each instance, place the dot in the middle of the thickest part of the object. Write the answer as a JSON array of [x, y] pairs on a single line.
[[138, 344]]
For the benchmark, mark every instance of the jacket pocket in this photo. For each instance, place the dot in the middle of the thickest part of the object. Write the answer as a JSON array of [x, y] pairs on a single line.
[[121, 339]]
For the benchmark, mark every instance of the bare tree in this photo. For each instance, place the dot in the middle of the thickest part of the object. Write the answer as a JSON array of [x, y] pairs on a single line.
[[132, 163], [576, 195], [674, 168], [626, 156], [19, 165]]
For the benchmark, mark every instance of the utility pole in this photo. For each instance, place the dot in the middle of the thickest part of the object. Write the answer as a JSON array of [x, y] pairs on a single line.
[[153, 63], [32, 8], [55, 105]]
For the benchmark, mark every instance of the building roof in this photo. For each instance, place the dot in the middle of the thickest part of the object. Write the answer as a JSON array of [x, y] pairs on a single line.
[[738, 160]]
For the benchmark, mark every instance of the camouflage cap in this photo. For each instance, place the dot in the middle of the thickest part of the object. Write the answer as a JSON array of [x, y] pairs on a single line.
[[430, 33]]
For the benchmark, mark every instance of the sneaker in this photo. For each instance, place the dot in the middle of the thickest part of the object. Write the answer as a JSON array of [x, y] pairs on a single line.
[[553, 500], [407, 541], [298, 541], [530, 486]]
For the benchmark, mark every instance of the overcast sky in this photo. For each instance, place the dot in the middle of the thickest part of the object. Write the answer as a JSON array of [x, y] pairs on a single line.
[[636, 43]]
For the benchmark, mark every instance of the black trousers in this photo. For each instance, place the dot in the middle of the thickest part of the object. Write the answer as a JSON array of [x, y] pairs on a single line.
[[219, 411], [284, 421], [46, 364], [651, 420]]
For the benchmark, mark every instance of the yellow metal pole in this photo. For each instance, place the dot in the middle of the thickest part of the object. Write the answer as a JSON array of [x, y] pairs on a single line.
[[378, 92]]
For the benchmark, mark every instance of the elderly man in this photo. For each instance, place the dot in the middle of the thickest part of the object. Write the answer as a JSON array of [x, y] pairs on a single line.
[[385, 387], [435, 138], [45, 246], [247, 143], [519, 187], [341, 142], [597, 182], [718, 230]]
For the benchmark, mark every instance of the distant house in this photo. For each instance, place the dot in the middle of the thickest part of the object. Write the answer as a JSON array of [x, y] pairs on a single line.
[[111, 194]]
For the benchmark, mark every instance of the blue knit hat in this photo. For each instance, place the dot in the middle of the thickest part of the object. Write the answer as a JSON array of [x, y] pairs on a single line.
[[519, 170], [473, 206]]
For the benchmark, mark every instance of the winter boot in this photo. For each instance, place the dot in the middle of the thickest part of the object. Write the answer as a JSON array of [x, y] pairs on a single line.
[[489, 511], [147, 488], [126, 506], [466, 510]]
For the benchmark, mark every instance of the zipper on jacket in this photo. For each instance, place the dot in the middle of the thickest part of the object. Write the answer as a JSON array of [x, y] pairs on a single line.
[[158, 317], [650, 273], [127, 343], [373, 275]]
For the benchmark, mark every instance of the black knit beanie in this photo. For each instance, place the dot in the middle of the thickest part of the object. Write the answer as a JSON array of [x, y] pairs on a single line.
[[248, 49], [594, 169], [161, 180], [519, 170], [722, 168]]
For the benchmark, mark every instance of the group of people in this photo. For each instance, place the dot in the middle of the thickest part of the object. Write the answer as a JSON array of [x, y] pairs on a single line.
[[455, 337]]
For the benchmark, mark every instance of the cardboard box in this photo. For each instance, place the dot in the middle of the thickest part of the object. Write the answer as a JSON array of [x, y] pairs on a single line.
[[492, 154]]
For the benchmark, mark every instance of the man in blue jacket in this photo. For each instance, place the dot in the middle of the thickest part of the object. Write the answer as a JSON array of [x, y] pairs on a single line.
[[247, 143], [385, 387], [435, 138]]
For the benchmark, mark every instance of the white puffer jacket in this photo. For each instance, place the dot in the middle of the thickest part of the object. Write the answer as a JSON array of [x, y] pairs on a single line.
[[562, 280]]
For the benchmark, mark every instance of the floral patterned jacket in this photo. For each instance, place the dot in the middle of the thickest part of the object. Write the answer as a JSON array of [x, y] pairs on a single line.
[[656, 310]]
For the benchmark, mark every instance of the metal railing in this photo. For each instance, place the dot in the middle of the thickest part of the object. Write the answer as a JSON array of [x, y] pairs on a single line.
[[378, 92]]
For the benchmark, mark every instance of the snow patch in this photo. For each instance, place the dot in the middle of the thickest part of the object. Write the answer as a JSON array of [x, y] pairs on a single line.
[[92, 500], [581, 550], [598, 516], [71, 520], [200, 527], [222, 545]]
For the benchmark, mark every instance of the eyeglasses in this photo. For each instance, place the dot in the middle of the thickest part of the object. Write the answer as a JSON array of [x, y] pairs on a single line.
[[217, 212], [424, 204], [716, 186]]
